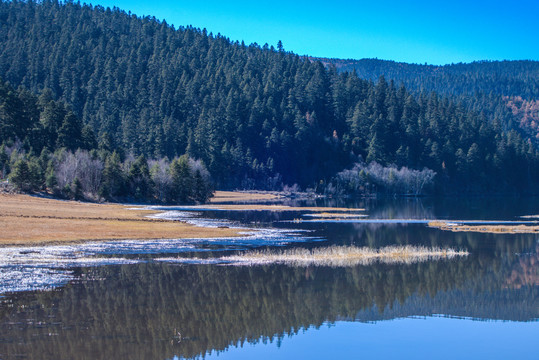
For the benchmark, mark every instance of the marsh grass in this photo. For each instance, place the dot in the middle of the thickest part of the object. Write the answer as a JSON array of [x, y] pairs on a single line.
[[264, 207], [342, 256], [336, 216], [230, 196], [483, 228]]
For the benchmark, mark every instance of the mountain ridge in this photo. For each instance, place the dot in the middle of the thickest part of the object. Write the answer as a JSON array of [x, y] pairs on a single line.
[[256, 116]]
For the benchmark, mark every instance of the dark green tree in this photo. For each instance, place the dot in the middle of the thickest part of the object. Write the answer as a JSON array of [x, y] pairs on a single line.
[[140, 182], [4, 162], [70, 133], [21, 177], [201, 188], [76, 189], [182, 180], [114, 182]]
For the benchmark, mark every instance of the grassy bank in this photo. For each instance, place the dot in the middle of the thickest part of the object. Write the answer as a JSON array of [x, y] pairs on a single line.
[[31, 220]]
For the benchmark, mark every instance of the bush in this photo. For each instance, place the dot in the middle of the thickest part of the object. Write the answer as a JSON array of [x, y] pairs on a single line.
[[375, 178]]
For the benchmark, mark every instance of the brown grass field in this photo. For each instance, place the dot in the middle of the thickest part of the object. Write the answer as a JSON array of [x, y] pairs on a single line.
[[228, 196], [492, 229], [31, 220]]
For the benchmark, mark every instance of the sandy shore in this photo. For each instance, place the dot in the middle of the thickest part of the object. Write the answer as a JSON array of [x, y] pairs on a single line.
[[31, 220]]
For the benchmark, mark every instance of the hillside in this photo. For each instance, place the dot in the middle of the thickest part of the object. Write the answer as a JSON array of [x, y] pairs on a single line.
[[488, 86], [508, 78], [257, 116]]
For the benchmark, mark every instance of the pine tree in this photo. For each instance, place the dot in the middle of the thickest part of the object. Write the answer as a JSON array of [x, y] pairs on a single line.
[[182, 180], [76, 189], [21, 177], [70, 133], [88, 139], [140, 182], [4, 162], [113, 178]]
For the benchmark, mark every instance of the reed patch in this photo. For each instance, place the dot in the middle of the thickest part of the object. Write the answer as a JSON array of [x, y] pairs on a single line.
[[342, 256], [485, 228]]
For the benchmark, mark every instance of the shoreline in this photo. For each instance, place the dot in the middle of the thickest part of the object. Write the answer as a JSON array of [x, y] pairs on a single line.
[[28, 220]]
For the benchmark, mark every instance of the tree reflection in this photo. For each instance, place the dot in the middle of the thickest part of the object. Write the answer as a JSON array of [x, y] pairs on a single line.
[[140, 311]]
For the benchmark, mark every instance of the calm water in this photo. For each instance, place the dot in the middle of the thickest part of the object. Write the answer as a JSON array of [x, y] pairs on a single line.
[[485, 305]]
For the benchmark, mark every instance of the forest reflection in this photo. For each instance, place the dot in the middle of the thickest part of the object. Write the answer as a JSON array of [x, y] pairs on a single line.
[[160, 310]]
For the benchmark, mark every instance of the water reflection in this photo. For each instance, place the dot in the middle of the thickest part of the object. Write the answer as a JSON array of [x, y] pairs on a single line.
[[160, 311], [480, 208], [407, 338]]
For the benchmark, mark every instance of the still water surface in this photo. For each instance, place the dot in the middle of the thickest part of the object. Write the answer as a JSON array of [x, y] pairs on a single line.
[[485, 305]]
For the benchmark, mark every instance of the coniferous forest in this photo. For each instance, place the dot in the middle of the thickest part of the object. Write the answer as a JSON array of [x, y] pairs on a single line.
[[505, 91], [254, 116], [79, 167]]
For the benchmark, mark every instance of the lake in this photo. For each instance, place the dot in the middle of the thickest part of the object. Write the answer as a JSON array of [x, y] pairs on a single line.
[[179, 299]]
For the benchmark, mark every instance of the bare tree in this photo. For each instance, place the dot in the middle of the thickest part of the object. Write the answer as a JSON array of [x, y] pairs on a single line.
[[374, 177], [82, 166], [159, 171]]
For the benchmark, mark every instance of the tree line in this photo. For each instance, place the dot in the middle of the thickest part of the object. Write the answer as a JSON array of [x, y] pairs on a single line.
[[45, 147], [257, 116], [508, 78], [490, 87]]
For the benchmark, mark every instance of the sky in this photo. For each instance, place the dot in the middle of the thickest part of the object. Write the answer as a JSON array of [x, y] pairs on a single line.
[[413, 31]]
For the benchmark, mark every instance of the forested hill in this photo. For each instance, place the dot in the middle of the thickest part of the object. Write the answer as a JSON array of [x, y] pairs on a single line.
[[508, 78], [504, 90], [257, 116]]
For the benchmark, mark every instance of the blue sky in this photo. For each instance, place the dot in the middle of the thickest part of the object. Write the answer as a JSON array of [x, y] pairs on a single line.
[[434, 32]]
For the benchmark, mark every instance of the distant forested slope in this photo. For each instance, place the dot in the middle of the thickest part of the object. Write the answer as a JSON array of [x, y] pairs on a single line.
[[491, 87], [257, 116], [509, 78]]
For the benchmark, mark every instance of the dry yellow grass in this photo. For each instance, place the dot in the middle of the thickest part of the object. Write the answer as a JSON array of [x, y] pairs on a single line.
[[229, 196], [221, 198], [336, 216], [340, 256], [30, 220], [258, 207], [492, 229]]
